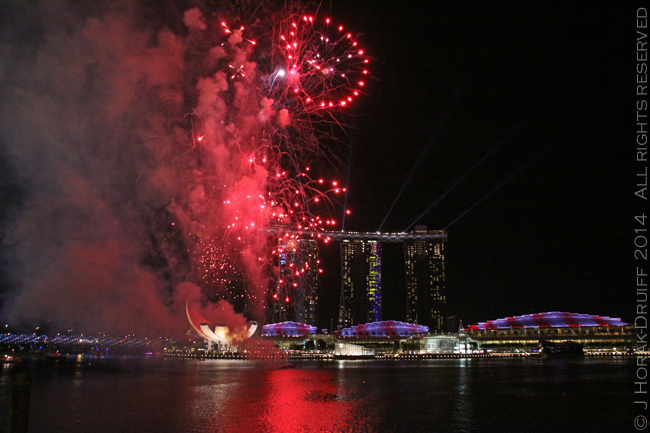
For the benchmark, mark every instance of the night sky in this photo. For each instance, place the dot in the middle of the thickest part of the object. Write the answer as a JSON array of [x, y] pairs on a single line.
[[516, 118], [537, 95]]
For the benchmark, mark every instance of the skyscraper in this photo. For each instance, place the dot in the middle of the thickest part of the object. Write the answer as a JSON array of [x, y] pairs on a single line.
[[361, 282], [426, 297], [296, 295], [307, 290]]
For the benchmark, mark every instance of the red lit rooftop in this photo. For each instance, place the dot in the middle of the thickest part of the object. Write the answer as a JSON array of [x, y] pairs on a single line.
[[553, 319]]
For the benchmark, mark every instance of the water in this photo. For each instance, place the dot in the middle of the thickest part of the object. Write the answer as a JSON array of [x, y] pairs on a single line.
[[440, 395]]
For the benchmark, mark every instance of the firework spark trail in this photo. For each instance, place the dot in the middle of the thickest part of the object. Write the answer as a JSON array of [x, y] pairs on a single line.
[[324, 66], [312, 73], [153, 155]]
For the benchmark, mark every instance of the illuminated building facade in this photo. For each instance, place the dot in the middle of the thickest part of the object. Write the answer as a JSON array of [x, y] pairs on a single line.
[[296, 295], [287, 329], [218, 336], [525, 332], [361, 291], [426, 299], [387, 329], [361, 282], [307, 289]]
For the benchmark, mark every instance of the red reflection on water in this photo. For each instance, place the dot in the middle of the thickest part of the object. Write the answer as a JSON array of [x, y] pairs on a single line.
[[309, 400]]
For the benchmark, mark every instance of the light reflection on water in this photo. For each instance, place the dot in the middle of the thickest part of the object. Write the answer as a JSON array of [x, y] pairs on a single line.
[[463, 413], [454, 395]]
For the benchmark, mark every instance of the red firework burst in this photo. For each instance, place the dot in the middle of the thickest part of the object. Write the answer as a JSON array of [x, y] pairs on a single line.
[[321, 64]]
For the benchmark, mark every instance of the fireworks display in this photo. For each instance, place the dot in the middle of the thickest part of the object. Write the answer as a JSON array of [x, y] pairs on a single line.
[[321, 66], [169, 157], [255, 125]]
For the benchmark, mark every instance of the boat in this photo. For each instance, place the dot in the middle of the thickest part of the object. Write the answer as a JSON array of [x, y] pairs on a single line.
[[56, 357], [53, 355], [11, 359], [563, 348]]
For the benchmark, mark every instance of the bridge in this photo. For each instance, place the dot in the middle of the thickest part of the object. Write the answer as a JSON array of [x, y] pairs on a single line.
[[396, 238]]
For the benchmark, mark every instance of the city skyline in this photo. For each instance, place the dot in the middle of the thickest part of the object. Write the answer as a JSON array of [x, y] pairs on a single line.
[[274, 216], [511, 117], [500, 124], [360, 267]]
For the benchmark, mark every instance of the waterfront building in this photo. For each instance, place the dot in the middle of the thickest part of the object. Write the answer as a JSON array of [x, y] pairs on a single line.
[[287, 329], [360, 300], [426, 297], [218, 336], [441, 344], [386, 329], [526, 332], [342, 349]]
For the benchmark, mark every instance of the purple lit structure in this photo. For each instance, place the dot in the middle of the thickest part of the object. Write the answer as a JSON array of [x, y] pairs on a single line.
[[386, 329], [287, 329], [553, 319]]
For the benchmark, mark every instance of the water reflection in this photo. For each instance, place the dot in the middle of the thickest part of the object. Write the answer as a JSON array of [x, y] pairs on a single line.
[[174, 396], [312, 400], [463, 402]]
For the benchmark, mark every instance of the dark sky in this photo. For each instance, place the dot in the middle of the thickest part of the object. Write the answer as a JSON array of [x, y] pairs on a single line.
[[523, 110], [546, 92]]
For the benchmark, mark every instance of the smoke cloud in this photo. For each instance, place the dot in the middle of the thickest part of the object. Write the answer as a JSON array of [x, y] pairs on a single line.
[[193, 18], [130, 145]]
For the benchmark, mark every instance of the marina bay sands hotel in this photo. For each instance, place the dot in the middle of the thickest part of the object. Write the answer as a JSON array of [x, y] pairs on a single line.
[[361, 287]]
